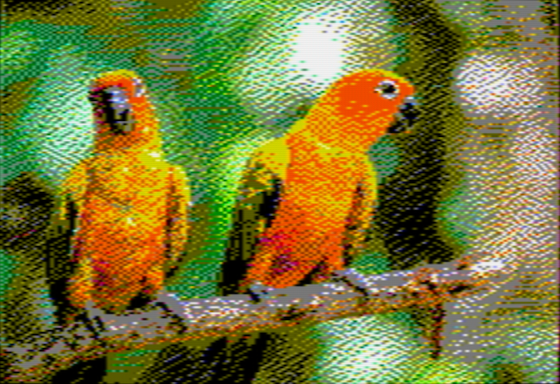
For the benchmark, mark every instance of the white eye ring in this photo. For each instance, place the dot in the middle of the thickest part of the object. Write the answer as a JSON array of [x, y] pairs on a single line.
[[139, 87], [387, 89]]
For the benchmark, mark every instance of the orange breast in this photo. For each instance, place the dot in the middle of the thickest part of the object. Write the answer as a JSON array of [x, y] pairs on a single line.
[[122, 234], [307, 233]]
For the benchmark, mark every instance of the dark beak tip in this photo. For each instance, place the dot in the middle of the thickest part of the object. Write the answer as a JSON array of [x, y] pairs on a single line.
[[406, 117]]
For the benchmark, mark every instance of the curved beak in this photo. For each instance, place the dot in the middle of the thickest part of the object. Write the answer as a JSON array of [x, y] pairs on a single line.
[[115, 106], [405, 118]]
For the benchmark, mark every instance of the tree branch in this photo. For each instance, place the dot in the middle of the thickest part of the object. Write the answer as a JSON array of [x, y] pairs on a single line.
[[169, 319]]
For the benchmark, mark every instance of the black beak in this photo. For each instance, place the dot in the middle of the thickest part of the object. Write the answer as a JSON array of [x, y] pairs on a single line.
[[119, 121], [407, 115], [116, 108]]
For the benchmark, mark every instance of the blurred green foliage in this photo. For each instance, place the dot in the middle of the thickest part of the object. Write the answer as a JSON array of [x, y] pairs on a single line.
[[196, 61]]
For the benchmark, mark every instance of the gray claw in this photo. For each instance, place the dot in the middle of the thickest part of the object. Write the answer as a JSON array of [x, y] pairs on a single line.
[[353, 278], [170, 302], [258, 291], [94, 318]]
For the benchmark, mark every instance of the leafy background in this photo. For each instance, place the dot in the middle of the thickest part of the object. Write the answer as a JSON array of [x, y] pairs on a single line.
[[475, 176]]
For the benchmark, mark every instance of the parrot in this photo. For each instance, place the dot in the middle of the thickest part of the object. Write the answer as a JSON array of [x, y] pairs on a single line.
[[125, 205], [130, 204], [306, 199]]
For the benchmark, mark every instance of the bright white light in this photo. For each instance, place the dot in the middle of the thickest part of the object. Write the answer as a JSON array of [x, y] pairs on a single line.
[[294, 59], [59, 115], [319, 44], [300, 51], [498, 85]]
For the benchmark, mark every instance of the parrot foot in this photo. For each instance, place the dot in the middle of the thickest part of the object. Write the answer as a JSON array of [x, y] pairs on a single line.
[[170, 302], [259, 292], [285, 310], [354, 279], [93, 317]]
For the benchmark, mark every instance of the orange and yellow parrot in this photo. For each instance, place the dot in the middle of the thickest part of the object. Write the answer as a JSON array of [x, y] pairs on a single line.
[[127, 204], [307, 198]]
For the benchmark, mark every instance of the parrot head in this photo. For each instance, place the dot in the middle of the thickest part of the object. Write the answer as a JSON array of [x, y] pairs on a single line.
[[113, 106], [361, 107], [123, 115]]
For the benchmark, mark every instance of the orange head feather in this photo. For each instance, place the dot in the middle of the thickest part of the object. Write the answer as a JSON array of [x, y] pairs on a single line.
[[357, 110], [140, 116]]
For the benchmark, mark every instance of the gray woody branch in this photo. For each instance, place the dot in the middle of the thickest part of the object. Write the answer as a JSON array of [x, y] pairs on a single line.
[[169, 319]]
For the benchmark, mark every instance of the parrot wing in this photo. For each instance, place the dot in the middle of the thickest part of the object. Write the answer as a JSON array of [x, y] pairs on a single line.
[[73, 197], [177, 218], [257, 201], [61, 264], [361, 214]]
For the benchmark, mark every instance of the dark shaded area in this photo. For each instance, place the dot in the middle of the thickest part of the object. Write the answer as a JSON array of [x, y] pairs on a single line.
[[84, 372], [51, 8], [230, 360], [408, 200], [238, 359], [509, 373], [27, 204], [223, 361], [59, 264], [550, 9], [40, 245], [407, 216]]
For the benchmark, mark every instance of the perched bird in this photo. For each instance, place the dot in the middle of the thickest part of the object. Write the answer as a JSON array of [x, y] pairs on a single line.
[[126, 205], [307, 198], [122, 225]]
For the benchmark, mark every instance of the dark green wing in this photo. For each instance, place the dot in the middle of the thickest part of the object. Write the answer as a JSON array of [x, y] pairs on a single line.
[[64, 223], [255, 207], [60, 267]]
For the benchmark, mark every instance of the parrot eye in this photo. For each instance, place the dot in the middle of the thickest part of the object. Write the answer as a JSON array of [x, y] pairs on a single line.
[[116, 96], [387, 89], [139, 87]]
